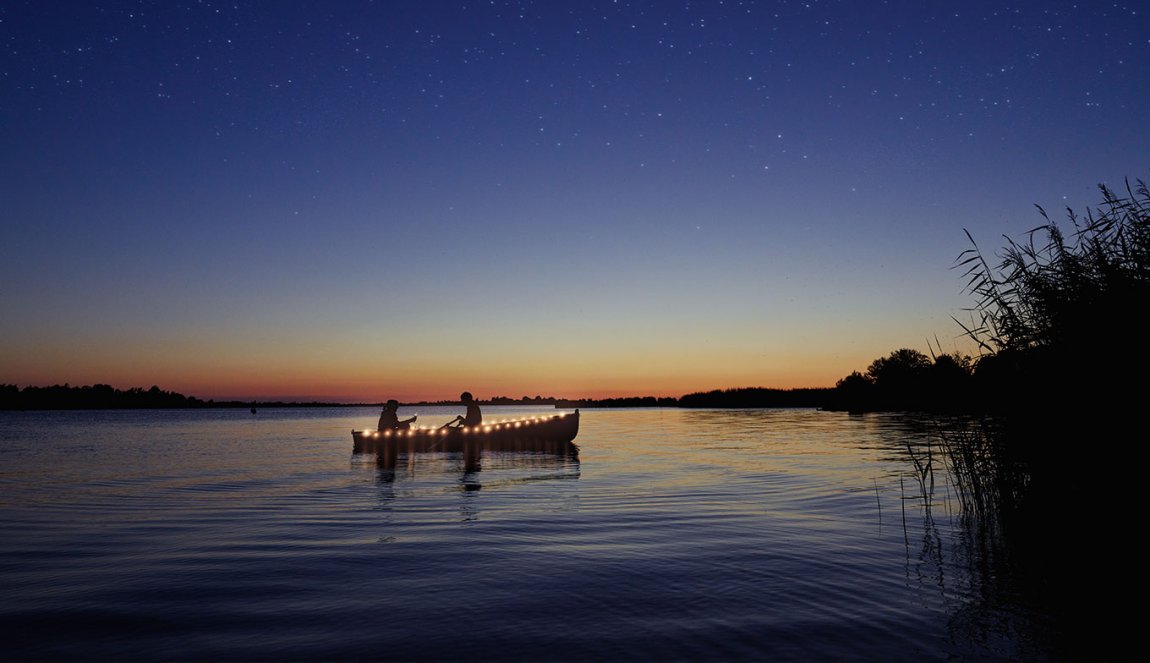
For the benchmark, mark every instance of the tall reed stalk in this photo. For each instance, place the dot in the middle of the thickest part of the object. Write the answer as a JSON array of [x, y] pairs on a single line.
[[1050, 290], [988, 477]]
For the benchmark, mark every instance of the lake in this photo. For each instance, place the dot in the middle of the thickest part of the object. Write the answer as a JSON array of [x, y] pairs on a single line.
[[786, 534]]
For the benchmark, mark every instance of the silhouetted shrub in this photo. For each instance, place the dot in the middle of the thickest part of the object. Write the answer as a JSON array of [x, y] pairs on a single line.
[[907, 379], [1056, 314]]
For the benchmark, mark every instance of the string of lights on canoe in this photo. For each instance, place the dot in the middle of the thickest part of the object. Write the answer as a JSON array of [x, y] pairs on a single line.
[[483, 428]]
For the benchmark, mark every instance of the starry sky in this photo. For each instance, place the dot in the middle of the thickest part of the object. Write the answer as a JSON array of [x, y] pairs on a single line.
[[356, 200]]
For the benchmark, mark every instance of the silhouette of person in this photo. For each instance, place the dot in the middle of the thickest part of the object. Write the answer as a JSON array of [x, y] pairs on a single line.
[[389, 420], [473, 417]]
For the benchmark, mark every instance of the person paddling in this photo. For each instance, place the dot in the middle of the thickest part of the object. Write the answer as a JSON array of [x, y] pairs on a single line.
[[473, 417]]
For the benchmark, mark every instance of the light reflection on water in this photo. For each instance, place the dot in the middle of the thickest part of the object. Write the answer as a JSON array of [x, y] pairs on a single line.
[[671, 534]]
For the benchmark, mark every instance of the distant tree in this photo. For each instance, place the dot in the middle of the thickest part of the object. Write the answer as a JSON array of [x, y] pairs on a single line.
[[950, 382], [98, 396], [9, 397], [855, 392], [950, 371], [902, 369], [907, 379], [748, 397], [855, 380]]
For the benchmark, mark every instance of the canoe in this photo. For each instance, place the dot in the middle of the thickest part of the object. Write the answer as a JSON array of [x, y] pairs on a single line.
[[550, 434]]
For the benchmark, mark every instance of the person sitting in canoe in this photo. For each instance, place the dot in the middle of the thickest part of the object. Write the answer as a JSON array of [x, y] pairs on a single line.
[[389, 420], [473, 417]]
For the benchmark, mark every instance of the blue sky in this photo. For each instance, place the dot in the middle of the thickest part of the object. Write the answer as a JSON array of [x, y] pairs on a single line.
[[361, 200]]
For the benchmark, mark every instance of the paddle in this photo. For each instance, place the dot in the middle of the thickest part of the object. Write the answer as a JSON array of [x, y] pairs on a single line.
[[446, 425]]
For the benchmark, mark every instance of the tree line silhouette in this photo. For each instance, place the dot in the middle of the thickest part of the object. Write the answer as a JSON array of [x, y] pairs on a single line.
[[97, 396], [106, 397]]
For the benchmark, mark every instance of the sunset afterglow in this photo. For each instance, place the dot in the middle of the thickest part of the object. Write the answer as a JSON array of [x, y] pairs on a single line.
[[363, 201]]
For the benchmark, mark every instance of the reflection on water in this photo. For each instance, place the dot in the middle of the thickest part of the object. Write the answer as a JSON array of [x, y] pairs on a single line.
[[474, 467], [667, 534]]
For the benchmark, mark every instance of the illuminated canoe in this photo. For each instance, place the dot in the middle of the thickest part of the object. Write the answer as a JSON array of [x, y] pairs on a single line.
[[551, 434]]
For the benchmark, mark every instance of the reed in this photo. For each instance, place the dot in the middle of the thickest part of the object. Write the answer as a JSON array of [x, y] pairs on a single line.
[[1059, 320], [1052, 290], [989, 478], [924, 471], [1057, 316]]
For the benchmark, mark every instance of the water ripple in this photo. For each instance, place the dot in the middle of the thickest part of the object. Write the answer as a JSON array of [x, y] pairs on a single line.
[[674, 535]]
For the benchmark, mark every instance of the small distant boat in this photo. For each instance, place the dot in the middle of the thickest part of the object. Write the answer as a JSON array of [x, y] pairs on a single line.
[[550, 434]]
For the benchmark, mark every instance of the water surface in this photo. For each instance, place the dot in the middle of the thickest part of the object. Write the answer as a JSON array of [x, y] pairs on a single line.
[[671, 535]]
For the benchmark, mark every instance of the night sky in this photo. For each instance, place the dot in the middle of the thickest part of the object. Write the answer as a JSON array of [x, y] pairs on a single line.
[[370, 200]]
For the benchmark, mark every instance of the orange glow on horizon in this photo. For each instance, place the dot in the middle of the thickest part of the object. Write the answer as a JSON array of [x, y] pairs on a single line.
[[360, 371], [414, 389], [334, 390]]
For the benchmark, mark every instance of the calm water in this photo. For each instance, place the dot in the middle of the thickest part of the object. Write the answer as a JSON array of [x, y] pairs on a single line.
[[674, 535]]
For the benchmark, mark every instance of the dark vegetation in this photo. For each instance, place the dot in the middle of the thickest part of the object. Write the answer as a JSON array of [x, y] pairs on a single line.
[[909, 380], [757, 397], [1045, 417], [627, 401], [105, 397], [1057, 317], [98, 396]]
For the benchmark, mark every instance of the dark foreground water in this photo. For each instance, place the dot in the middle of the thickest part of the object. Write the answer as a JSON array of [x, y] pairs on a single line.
[[673, 535]]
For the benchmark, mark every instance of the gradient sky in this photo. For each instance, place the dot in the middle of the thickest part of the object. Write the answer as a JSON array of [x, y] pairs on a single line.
[[366, 200]]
